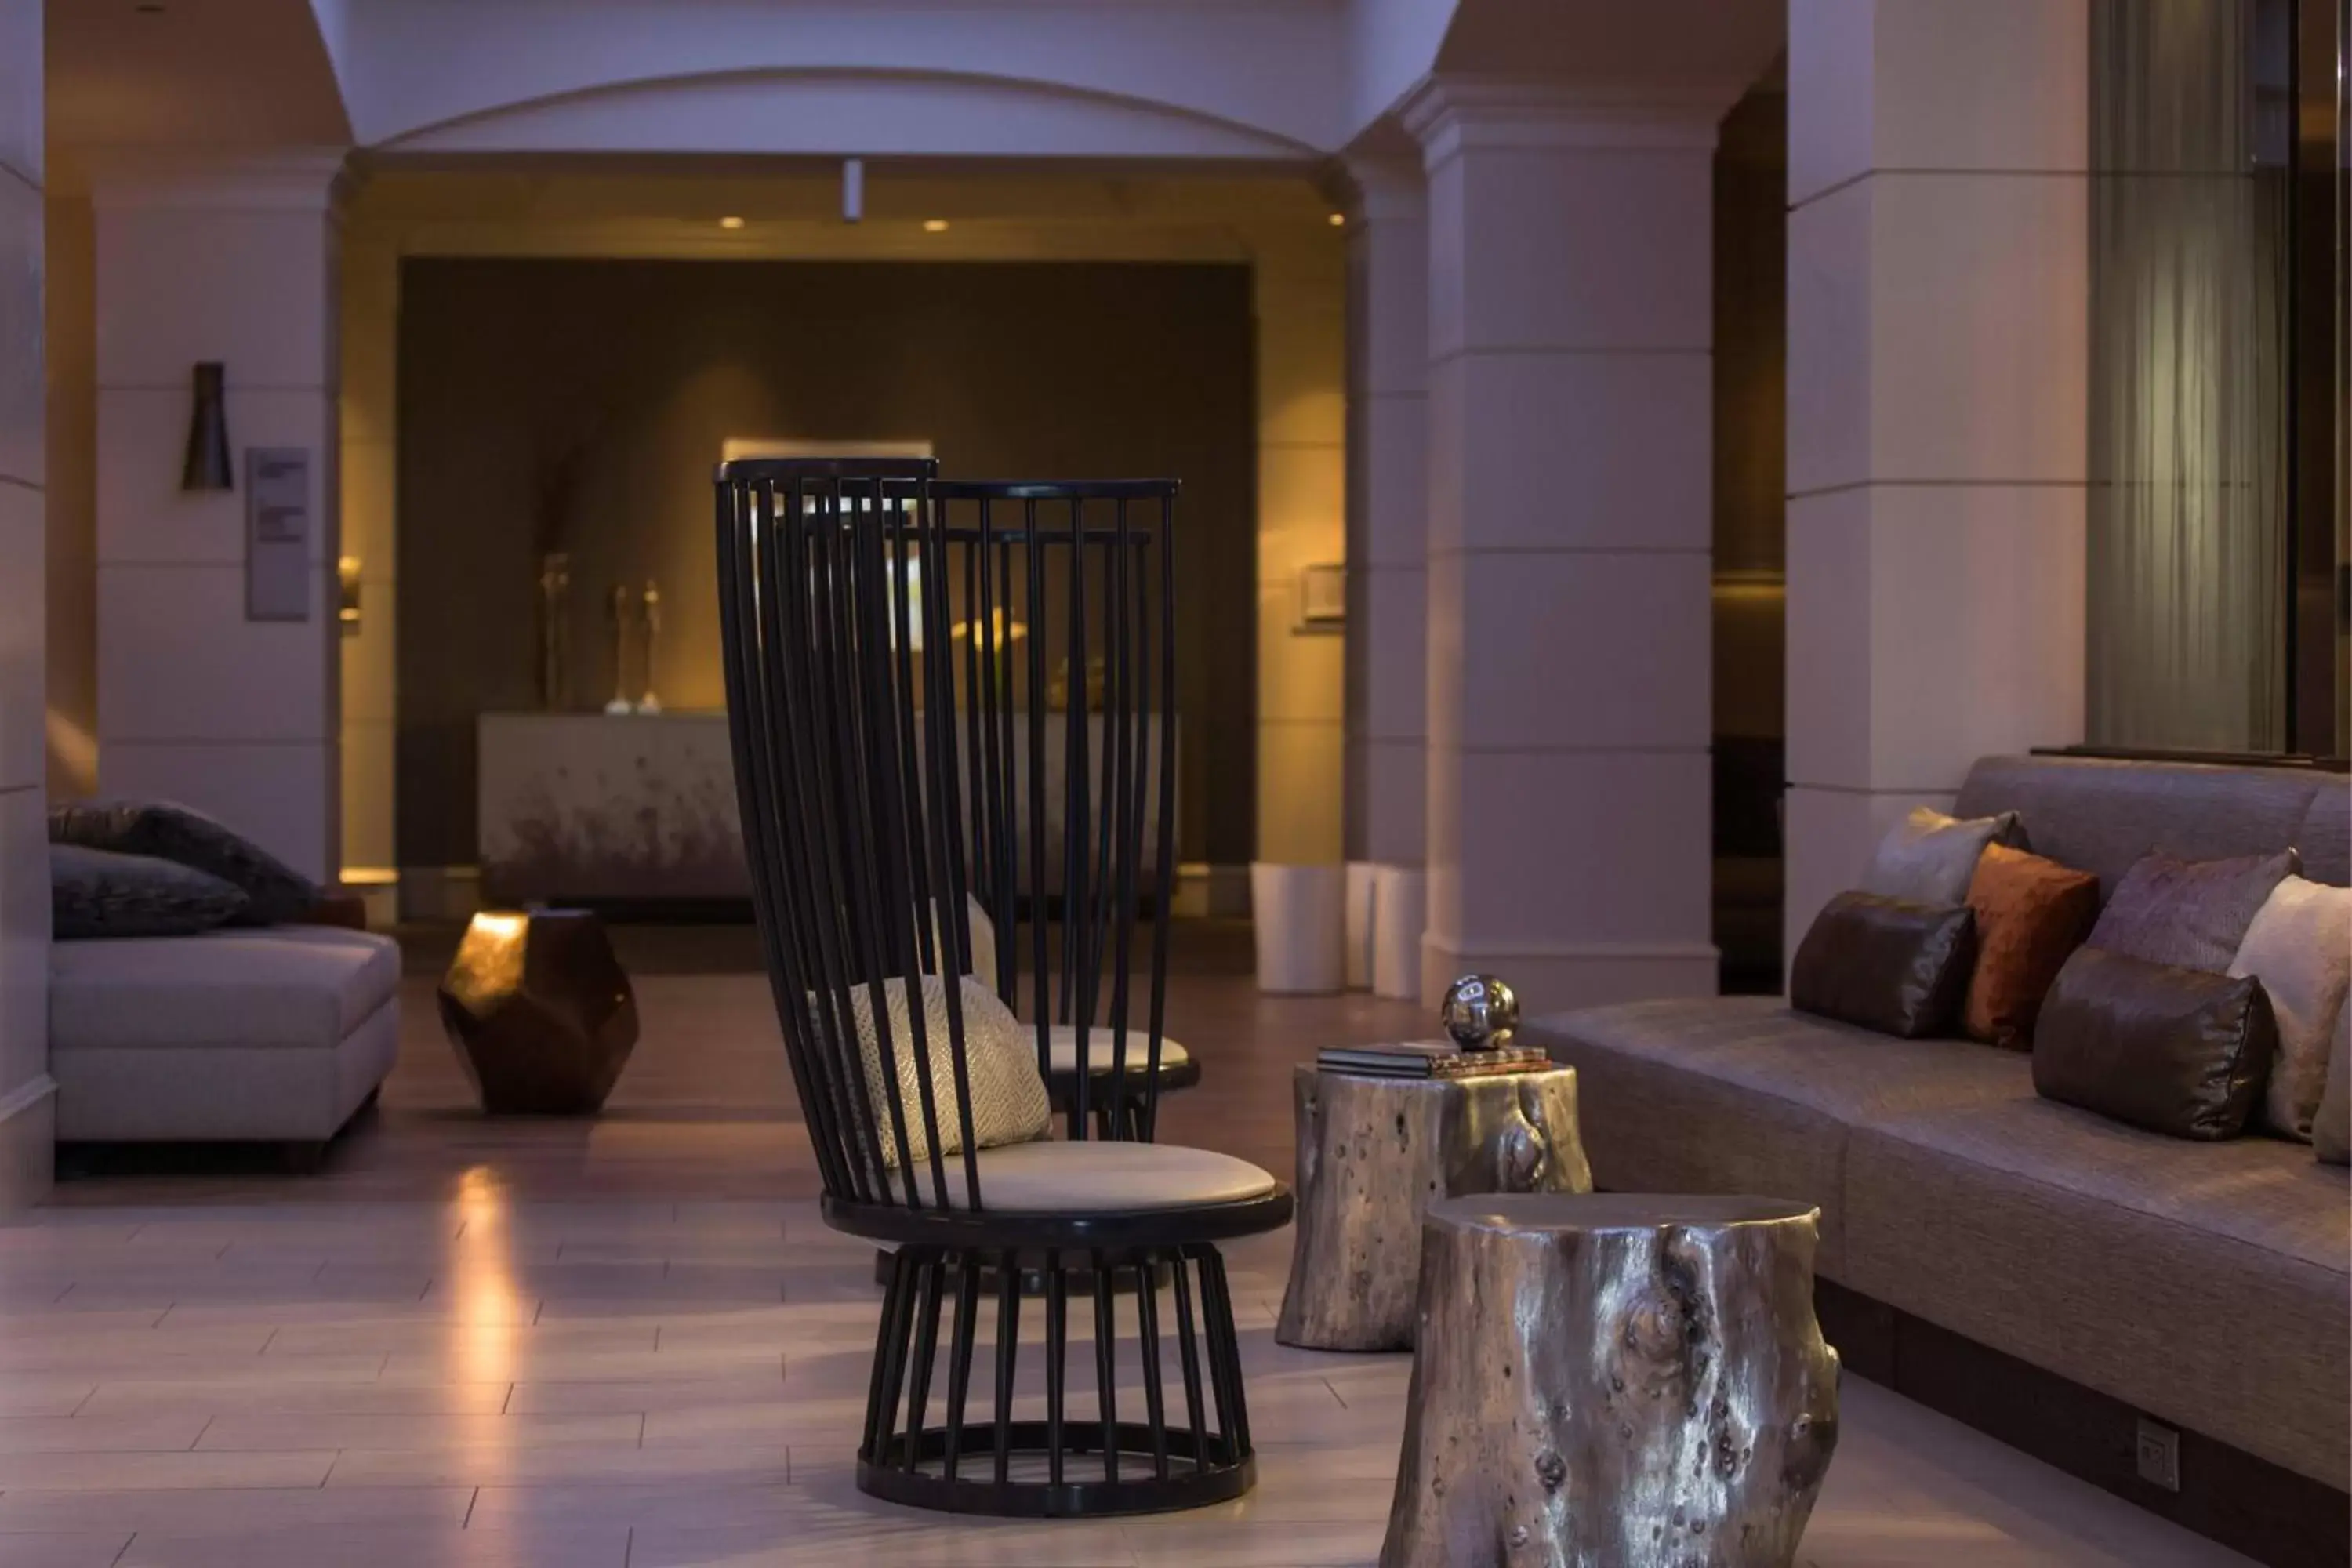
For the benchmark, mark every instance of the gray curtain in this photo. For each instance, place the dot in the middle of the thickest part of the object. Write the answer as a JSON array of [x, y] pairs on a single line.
[[2188, 395]]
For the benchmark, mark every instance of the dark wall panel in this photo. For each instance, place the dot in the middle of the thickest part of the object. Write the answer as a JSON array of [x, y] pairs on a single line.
[[579, 405]]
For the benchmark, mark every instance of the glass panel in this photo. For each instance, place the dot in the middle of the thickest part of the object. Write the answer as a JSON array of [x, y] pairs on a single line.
[[2341, 414], [2191, 128]]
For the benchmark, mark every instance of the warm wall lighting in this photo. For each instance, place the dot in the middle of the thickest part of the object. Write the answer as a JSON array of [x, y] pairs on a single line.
[[935, 226], [1001, 630], [730, 223], [1338, 220]]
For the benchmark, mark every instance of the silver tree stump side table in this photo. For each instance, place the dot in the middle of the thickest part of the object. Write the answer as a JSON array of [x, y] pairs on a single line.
[[1375, 1153], [1614, 1382]]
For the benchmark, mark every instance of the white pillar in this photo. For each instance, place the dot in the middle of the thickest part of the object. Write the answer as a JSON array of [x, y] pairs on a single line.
[[1299, 299], [1937, 287], [1388, 549], [232, 260], [1388, 513], [1569, 540], [27, 1096]]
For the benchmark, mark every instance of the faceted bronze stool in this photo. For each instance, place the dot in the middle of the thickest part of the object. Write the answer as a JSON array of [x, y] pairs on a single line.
[[1375, 1153], [541, 1012], [1614, 1380]]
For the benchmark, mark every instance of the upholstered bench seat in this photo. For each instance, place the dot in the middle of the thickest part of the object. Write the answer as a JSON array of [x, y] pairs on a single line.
[[1738, 1094], [2204, 1282], [279, 1033]]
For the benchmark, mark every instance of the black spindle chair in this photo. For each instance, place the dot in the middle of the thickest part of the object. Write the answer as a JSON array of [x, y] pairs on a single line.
[[1063, 858], [876, 793]]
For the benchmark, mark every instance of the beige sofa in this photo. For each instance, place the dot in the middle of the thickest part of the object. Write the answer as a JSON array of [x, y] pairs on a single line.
[[1972, 1230], [277, 1034]]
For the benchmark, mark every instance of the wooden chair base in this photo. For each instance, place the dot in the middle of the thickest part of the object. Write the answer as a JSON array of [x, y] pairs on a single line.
[[1080, 1280], [1191, 1449]]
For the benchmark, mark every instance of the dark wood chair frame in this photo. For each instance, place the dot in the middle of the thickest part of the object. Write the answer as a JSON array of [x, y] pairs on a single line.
[[869, 813]]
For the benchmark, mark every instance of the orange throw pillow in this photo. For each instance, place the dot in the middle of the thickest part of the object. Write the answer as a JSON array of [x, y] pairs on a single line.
[[2032, 914]]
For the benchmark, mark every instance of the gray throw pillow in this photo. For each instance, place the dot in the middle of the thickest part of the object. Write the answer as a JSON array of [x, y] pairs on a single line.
[[275, 892], [99, 893], [2191, 914], [1930, 858]]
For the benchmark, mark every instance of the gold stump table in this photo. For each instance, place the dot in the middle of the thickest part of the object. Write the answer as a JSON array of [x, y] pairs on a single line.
[[1374, 1153], [1614, 1381]]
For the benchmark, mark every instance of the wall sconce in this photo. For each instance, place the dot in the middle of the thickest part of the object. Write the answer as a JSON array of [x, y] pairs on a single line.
[[1323, 598], [206, 464], [347, 575]]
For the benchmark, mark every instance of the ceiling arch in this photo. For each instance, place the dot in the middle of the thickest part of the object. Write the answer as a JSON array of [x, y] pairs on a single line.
[[850, 111]]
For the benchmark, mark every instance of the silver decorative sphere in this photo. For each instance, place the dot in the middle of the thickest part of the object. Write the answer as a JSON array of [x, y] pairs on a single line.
[[1480, 1012]]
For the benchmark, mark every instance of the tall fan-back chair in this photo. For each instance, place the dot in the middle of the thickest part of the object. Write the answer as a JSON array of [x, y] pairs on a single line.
[[1071, 812], [878, 809]]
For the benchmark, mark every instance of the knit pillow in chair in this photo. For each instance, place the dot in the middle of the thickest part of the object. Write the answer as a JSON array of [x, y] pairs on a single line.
[[1008, 1096]]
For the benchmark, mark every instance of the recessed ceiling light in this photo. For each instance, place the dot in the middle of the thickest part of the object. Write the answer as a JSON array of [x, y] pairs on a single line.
[[730, 222], [935, 226], [1338, 220]]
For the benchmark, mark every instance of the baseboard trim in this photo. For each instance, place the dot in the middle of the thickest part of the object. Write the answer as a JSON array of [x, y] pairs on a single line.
[[2270, 1513], [28, 1142]]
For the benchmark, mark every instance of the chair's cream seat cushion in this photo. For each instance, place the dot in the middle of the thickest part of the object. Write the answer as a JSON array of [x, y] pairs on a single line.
[[1105, 1178], [1062, 1050], [299, 987]]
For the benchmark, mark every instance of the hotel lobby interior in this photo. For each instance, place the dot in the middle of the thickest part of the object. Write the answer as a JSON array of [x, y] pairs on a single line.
[[1592, 758]]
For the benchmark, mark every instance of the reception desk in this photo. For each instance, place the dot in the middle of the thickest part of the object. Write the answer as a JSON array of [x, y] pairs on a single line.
[[614, 808]]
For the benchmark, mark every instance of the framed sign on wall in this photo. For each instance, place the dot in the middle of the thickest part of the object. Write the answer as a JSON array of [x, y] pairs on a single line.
[[277, 534]]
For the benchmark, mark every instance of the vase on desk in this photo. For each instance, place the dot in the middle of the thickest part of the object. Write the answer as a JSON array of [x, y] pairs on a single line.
[[616, 621], [649, 703]]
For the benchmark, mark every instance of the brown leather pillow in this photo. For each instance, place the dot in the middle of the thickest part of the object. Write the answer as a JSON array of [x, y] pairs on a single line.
[[2178, 1051], [1897, 967], [2032, 914]]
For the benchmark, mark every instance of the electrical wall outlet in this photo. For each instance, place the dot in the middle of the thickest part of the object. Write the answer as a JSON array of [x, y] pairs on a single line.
[[2160, 1456]]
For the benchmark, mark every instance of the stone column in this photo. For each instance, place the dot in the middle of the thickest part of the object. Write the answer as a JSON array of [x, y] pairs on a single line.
[[1568, 538], [1937, 341], [204, 258], [27, 1096], [1388, 538]]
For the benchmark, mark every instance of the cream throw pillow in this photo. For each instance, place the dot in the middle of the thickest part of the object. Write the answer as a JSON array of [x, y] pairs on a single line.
[[1930, 858], [2331, 1129], [1008, 1096], [2300, 948], [980, 960]]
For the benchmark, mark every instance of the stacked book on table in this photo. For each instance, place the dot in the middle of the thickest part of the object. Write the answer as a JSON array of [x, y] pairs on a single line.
[[1430, 1059]]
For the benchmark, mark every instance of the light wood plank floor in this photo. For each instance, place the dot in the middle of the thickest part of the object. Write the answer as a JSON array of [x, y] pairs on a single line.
[[630, 1344]]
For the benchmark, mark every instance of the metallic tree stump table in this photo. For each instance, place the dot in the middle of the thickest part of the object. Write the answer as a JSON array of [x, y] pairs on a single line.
[[1375, 1153], [541, 1012], [1614, 1382]]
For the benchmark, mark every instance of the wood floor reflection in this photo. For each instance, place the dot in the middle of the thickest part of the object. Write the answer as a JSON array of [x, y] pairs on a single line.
[[630, 1342]]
